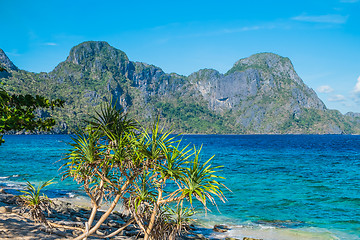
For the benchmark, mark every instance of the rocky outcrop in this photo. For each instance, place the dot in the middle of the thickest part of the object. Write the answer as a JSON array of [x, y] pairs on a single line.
[[263, 75], [152, 81], [6, 62], [353, 115]]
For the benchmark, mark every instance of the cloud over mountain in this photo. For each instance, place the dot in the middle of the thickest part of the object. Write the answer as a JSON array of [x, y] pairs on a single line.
[[325, 89]]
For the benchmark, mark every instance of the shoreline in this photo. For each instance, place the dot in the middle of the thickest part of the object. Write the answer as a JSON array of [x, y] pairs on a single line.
[[204, 225], [17, 224], [73, 212]]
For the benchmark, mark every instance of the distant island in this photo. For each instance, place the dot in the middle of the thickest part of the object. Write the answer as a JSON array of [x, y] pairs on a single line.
[[261, 94]]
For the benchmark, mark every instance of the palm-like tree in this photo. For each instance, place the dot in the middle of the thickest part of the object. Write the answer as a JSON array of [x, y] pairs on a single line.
[[35, 201], [100, 158], [149, 170], [200, 181], [174, 175]]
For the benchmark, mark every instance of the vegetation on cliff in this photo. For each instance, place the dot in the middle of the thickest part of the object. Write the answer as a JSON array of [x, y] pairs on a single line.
[[261, 94]]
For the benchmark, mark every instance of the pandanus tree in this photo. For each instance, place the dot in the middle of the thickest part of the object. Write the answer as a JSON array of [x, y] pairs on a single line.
[[149, 171], [102, 160]]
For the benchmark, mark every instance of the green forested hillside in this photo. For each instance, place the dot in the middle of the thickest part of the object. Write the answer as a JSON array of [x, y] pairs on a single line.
[[261, 94]]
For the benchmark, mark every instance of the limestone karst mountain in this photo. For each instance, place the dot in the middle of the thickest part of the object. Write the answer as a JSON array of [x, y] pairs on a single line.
[[261, 94]]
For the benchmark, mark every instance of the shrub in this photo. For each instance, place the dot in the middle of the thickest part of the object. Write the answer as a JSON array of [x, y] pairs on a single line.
[[35, 202]]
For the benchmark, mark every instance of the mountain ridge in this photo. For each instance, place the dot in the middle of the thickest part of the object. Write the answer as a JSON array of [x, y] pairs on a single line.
[[260, 94]]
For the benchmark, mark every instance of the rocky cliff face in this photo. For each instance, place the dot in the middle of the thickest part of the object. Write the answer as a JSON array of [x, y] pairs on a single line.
[[5, 62], [262, 75], [259, 94], [263, 89]]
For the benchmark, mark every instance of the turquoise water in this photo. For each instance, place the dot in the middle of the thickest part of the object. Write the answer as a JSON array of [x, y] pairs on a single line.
[[283, 187]]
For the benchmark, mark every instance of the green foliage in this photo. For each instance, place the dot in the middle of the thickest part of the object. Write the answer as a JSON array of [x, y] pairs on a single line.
[[17, 112], [307, 119], [181, 216], [35, 202], [190, 116], [200, 180]]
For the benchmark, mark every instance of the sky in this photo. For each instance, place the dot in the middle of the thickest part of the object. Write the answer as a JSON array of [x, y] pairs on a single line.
[[321, 37]]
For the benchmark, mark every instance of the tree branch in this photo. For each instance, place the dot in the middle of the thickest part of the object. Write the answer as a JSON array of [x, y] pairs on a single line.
[[120, 229]]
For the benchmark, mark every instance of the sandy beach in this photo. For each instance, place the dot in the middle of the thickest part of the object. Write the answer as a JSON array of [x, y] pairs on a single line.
[[16, 224]]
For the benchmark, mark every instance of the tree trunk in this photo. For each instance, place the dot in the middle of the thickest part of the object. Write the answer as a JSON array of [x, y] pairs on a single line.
[[101, 220], [153, 216], [96, 205], [120, 229]]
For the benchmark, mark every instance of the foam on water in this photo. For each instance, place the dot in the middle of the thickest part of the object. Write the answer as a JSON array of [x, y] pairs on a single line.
[[273, 233], [71, 195], [12, 176]]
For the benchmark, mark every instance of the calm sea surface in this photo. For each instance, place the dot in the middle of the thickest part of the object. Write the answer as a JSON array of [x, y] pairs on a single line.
[[283, 186]]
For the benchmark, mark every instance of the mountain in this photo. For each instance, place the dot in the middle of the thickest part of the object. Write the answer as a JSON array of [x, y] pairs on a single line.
[[6, 62], [261, 94]]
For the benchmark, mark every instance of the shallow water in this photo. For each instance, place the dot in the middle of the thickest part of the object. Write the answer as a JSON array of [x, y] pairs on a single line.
[[283, 187]]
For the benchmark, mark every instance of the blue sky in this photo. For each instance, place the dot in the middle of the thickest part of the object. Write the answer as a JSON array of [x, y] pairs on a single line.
[[322, 38]]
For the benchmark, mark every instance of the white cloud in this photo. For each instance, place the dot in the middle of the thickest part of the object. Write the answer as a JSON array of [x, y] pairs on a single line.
[[329, 18], [50, 44], [357, 86], [337, 98], [242, 29], [14, 53], [349, 1], [325, 89]]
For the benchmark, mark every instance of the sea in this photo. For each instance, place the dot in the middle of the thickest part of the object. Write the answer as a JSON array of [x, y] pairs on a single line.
[[280, 186]]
